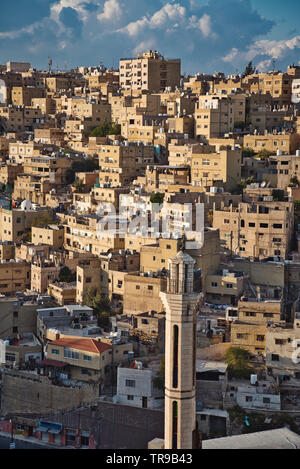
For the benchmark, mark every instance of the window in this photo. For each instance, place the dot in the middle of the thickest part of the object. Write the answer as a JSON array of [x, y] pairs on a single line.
[[88, 358], [150, 287], [260, 338], [263, 225], [130, 398], [130, 383], [71, 354], [249, 398], [277, 225], [137, 287], [229, 285], [268, 315], [214, 284], [266, 400], [55, 351], [274, 357]]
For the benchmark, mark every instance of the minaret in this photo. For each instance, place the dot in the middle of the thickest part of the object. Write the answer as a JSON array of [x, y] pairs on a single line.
[[180, 354]]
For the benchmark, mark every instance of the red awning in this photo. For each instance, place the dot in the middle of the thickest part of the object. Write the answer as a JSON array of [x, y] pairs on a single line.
[[53, 363]]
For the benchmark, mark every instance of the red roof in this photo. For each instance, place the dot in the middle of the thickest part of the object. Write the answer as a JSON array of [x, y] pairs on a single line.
[[85, 344]]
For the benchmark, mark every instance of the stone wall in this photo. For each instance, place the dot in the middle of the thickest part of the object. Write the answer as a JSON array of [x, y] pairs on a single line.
[[29, 393]]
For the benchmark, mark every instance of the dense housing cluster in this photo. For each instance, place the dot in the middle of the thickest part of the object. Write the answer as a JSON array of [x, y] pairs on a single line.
[[105, 176]]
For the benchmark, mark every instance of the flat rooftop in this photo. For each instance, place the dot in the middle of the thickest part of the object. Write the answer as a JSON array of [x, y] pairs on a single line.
[[281, 438]]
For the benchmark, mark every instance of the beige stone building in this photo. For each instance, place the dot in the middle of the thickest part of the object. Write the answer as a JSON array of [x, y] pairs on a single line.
[[43, 272], [214, 117], [149, 71], [16, 222], [224, 166], [141, 293], [287, 143], [88, 359], [257, 229], [249, 331], [63, 293], [53, 235], [120, 164], [14, 276]]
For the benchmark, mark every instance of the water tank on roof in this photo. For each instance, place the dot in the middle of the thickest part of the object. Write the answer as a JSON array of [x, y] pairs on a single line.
[[26, 205], [297, 152]]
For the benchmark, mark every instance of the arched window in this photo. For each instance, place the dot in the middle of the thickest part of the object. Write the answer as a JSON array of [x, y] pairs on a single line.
[[175, 356]]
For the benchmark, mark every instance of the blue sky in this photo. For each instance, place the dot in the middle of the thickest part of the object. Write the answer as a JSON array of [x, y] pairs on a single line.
[[208, 35]]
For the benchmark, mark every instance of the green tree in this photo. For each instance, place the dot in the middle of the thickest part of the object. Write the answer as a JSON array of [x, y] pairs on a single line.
[[248, 153], [157, 198], [79, 186], [237, 360], [106, 128], [263, 154], [294, 182], [100, 305], [249, 70], [65, 275]]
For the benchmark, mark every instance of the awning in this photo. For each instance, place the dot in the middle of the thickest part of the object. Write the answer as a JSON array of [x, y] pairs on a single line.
[[42, 429]]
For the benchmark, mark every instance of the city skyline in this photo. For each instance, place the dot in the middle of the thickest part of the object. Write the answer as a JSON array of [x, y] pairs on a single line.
[[209, 36]]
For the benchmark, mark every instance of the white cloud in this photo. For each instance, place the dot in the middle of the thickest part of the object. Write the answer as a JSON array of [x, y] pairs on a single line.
[[162, 18], [203, 24], [112, 11], [231, 56]]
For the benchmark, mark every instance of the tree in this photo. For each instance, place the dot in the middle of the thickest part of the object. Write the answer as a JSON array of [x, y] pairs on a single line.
[[100, 305], [65, 275], [248, 153], [237, 360], [263, 154], [79, 186], [106, 128], [157, 198], [249, 70], [294, 182]]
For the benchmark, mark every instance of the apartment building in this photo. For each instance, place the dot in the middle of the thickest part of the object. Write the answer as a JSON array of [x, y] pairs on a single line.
[[224, 166], [52, 235], [141, 293], [88, 276], [149, 71], [121, 163], [256, 229], [23, 95], [160, 177], [249, 331], [19, 150], [286, 142], [9, 172], [85, 233], [14, 276], [214, 117], [43, 272], [33, 188], [14, 223]]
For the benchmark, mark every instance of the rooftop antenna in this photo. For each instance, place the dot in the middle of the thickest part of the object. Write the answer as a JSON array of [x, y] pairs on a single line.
[[66, 65], [56, 66], [273, 63], [49, 64]]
